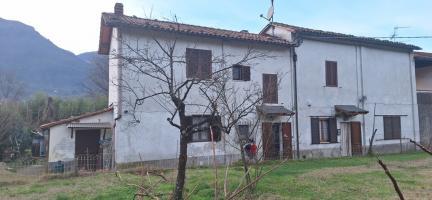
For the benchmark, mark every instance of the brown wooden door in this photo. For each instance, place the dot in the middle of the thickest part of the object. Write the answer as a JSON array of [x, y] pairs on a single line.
[[267, 140], [356, 138], [287, 140], [87, 149]]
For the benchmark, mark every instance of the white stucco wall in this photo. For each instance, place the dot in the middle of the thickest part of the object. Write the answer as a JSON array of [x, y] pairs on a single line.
[[384, 77], [153, 138], [62, 145], [424, 78]]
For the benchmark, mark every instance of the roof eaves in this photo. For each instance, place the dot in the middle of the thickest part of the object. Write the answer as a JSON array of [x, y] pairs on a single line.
[[74, 118]]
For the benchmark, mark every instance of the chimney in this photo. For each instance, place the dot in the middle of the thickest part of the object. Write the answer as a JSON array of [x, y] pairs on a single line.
[[118, 9]]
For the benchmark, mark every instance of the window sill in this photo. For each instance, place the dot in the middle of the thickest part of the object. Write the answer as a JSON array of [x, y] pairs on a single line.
[[326, 143], [329, 86]]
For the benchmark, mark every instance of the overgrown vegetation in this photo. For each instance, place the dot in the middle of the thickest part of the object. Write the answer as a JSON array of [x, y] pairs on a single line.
[[338, 178], [19, 117]]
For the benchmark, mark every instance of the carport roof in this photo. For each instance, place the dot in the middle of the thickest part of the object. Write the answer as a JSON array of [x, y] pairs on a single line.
[[74, 118]]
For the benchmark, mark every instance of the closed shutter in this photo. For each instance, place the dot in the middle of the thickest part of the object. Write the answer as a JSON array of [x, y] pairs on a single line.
[[191, 63], [267, 139], [315, 131], [270, 90], [331, 73], [396, 127], [287, 140], [216, 125], [188, 124], [205, 64], [333, 130], [246, 73], [388, 128]]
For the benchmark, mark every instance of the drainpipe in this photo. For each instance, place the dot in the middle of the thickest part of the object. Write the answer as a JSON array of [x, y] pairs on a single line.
[[294, 61], [412, 97]]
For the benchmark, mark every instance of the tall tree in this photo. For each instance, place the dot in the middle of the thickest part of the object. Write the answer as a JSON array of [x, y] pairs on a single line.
[[10, 87]]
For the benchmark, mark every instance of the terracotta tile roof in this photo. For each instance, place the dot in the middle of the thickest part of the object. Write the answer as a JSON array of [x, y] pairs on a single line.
[[422, 59], [114, 20], [74, 118], [340, 37], [423, 54]]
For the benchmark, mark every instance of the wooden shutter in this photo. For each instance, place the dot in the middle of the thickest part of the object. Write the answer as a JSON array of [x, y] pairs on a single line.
[[315, 130], [188, 124], [396, 127], [332, 130], [388, 135], [216, 124], [267, 139], [270, 90], [287, 140], [205, 64], [245, 73], [191, 63], [331, 73]]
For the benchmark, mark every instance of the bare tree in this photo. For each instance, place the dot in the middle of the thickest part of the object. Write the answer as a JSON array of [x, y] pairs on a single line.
[[10, 87], [152, 69]]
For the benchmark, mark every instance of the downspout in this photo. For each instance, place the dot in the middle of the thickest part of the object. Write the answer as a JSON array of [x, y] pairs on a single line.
[[294, 61], [362, 94], [412, 97]]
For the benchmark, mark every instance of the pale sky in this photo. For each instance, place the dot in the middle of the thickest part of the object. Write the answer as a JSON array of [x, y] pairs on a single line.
[[74, 24]]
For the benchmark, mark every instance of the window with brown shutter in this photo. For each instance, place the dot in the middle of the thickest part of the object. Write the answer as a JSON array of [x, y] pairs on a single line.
[[270, 88], [198, 64], [201, 128], [392, 127], [323, 130], [331, 74], [241, 72]]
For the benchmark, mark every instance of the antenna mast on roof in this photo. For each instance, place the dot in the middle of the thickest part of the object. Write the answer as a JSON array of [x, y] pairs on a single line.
[[395, 29], [269, 16]]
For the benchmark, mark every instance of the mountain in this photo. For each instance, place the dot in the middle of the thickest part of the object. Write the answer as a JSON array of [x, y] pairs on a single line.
[[38, 63]]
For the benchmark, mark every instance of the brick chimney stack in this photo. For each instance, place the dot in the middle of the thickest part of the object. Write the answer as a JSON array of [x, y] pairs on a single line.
[[118, 9]]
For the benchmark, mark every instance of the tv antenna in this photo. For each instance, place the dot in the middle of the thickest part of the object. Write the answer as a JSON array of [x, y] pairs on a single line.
[[270, 14], [395, 32]]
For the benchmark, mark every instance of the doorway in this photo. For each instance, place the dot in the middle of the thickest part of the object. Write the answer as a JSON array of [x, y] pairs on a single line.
[[87, 149], [277, 140], [351, 139]]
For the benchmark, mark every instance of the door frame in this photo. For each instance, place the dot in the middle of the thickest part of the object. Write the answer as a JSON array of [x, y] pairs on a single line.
[[284, 138]]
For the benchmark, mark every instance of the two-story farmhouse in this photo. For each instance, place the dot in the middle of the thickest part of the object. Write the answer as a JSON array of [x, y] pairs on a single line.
[[345, 87], [349, 86]]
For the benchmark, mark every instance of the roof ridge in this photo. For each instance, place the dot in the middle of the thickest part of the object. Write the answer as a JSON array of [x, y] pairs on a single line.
[[344, 35]]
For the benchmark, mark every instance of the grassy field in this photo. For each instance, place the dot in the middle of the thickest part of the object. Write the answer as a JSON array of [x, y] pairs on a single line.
[[341, 178]]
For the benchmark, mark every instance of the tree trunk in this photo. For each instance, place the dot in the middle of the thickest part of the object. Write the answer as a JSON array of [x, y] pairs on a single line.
[[245, 165], [181, 169]]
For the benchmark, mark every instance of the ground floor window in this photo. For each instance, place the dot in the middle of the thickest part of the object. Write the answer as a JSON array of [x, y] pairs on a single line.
[[392, 127], [201, 128], [323, 130]]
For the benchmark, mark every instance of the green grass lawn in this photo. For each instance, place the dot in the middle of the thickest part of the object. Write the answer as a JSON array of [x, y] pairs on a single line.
[[338, 178]]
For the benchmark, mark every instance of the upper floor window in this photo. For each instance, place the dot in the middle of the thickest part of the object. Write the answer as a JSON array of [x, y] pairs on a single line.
[[392, 127], [323, 130], [331, 73], [270, 88], [198, 64], [241, 72]]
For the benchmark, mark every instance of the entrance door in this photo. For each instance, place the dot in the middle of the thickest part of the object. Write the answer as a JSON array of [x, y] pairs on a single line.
[[287, 140], [356, 138], [346, 139], [277, 141], [87, 148]]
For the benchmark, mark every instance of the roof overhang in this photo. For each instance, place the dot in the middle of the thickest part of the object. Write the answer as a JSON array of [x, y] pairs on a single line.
[[74, 118], [422, 59], [103, 125], [349, 110], [270, 110]]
